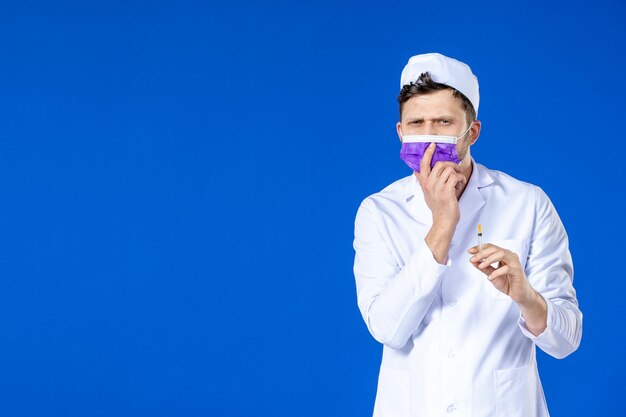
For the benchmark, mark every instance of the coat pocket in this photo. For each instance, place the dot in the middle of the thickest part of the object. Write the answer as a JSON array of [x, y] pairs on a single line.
[[392, 394], [516, 391], [518, 246]]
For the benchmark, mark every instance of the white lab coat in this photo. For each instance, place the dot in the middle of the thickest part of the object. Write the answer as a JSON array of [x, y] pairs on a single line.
[[453, 344]]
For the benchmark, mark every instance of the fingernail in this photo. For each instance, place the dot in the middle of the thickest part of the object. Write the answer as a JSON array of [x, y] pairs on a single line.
[[473, 259], [432, 144]]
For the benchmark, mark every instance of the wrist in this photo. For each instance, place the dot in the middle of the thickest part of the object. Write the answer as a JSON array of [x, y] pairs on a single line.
[[533, 298], [438, 240], [444, 226], [535, 313]]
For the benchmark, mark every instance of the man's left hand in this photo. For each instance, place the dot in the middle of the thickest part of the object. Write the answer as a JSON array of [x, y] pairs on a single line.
[[508, 276]]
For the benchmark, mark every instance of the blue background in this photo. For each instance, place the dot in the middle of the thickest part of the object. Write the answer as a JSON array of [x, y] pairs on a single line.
[[179, 183]]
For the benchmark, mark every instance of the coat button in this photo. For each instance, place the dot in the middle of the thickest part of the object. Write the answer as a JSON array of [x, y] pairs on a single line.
[[452, 302], [451, 408]]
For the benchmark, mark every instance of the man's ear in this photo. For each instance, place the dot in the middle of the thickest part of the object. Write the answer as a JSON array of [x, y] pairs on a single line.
[[475, 131], [399, 130]]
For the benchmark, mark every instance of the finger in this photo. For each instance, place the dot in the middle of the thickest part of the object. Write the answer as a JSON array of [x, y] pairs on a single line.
[[499, 272], [444, 177], [488, 249], [455, 182], [487, 271], [439, 166], [474, 249], [498, 256], [458, 180], [479, 264], [437, 170], [450, 179], [428, 156], [448, 173]]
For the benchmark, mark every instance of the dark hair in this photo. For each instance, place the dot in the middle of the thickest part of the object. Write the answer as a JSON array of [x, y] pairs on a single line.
[[425, 85]]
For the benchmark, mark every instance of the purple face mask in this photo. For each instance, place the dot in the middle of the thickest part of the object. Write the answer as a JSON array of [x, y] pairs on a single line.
[[414, 146]]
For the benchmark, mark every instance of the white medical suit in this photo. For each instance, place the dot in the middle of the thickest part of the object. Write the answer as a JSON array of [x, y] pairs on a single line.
[[453, 344]]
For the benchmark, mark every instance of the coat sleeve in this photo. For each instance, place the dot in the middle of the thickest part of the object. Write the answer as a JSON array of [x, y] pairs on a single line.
[[550, 271], [392, 299]]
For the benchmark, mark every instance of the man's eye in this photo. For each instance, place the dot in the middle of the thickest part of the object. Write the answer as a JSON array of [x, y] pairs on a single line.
[[444, 121], [415, 122]]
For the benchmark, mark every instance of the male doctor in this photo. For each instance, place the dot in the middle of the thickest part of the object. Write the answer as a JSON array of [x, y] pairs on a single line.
[[460, 321]]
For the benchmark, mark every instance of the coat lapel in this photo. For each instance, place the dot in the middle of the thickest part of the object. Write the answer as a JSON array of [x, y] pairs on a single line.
[[473, 199]]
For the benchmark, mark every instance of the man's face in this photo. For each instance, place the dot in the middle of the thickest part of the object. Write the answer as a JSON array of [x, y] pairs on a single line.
[[438, 113]]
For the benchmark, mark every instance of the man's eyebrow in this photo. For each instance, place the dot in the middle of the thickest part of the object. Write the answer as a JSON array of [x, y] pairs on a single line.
[[440, 117]]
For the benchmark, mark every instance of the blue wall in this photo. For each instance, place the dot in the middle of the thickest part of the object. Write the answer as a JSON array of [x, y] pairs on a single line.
[[179, 182]]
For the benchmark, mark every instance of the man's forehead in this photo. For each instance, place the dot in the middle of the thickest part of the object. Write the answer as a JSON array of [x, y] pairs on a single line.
[[441, 96], [434, 104]]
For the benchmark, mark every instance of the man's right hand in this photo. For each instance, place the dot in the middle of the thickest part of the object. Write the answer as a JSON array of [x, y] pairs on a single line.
[[440, 186]]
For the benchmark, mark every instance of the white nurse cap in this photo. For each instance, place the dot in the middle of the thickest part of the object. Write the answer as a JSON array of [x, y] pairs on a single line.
[[443, 70]]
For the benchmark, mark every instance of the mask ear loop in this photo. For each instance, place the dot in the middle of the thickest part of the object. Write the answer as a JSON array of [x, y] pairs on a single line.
[[466, 130]]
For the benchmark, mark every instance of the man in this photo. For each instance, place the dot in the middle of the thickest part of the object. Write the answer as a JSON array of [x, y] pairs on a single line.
[[459, 321]]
